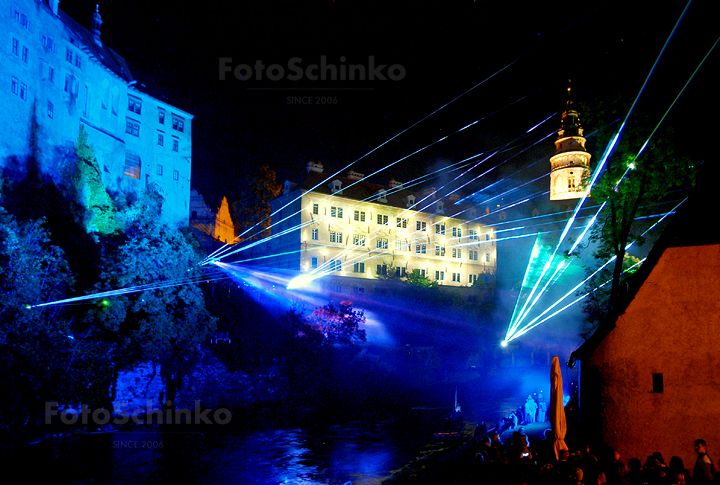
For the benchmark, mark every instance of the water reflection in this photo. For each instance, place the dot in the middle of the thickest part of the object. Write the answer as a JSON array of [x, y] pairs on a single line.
[[360, 453]]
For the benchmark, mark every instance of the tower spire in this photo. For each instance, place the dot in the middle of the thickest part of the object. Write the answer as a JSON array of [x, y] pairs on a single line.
[[570, 166]]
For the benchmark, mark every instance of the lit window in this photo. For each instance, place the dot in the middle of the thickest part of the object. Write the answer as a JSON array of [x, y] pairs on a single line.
[[132, 127], [132, 165]]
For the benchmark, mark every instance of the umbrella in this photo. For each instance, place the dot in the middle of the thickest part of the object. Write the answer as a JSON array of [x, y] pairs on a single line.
[[557, 411]]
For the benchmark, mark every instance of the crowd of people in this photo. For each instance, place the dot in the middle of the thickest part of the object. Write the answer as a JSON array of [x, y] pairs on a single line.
[[488, 460], [533, 410]]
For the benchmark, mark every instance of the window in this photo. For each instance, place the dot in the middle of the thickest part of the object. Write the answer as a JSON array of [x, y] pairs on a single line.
[[23, 91], [487, 257], [15, 47], [161, 139], [359, 268], [50, 110], [48, 42], [401, 222], [132, 165], [456, 277], [400, 272], [457, 232], [176, 175], [68, 56], [487, 237], [421, 248], [359, 216], [134, 105], [457, 253], [440, 229], [315, 209], [382, 243], [313, 263], [381, 219], [382, 269], [401, 245], [472, 255], [178, 123], [336, 237], [314, 234], [439, 250], [336, 212], [657, 382], [176, 145], [358, 240], [15, 86], [472, 279], [571, 181], [132, 127], [25, 54], [78, 61], [440, 275], [472, 234], [51, 74], [71, 84], [338, 265], [22, 19], [159, 169], [161, 116], [421, 226], [422, 273]]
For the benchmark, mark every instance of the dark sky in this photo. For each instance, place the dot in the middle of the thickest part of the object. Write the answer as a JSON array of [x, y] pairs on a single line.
[[443, 49]]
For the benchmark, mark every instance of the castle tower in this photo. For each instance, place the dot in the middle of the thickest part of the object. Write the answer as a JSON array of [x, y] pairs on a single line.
[[570, 166]]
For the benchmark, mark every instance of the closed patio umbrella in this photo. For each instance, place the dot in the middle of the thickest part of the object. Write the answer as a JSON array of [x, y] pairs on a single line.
[[557, 410]]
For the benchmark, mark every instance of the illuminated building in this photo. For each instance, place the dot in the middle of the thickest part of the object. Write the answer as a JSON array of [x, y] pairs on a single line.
[[570, 166], [64, 75], [649, 378], [367, 231], [218, 225]]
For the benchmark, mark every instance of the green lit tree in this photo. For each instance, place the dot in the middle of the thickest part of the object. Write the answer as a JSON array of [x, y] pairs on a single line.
[[90, 190], [631, 187], [416, 278]]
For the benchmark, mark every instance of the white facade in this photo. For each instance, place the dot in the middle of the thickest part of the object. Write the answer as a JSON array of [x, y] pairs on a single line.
[[52, 66], [344, 234]]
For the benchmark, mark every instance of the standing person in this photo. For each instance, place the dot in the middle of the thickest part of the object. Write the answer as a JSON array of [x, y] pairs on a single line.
[[542, 411], [704, 467]]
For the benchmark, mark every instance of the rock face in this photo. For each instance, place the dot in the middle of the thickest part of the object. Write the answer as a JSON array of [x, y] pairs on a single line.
[[141, 389]]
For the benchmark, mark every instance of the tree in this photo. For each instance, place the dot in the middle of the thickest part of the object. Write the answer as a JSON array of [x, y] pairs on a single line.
[[39, 347], [90, 190], [337, 325], [167, 325], [631, 187], [253, 207], [417, 279]]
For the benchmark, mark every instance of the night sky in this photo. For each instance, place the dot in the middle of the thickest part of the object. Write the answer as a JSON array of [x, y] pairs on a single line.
[[443, 49]]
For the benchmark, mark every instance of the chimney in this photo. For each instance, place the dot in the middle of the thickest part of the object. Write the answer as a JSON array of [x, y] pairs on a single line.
[[315, 167], [54, 6], [96, 23], [353, 175], [394, 183]]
